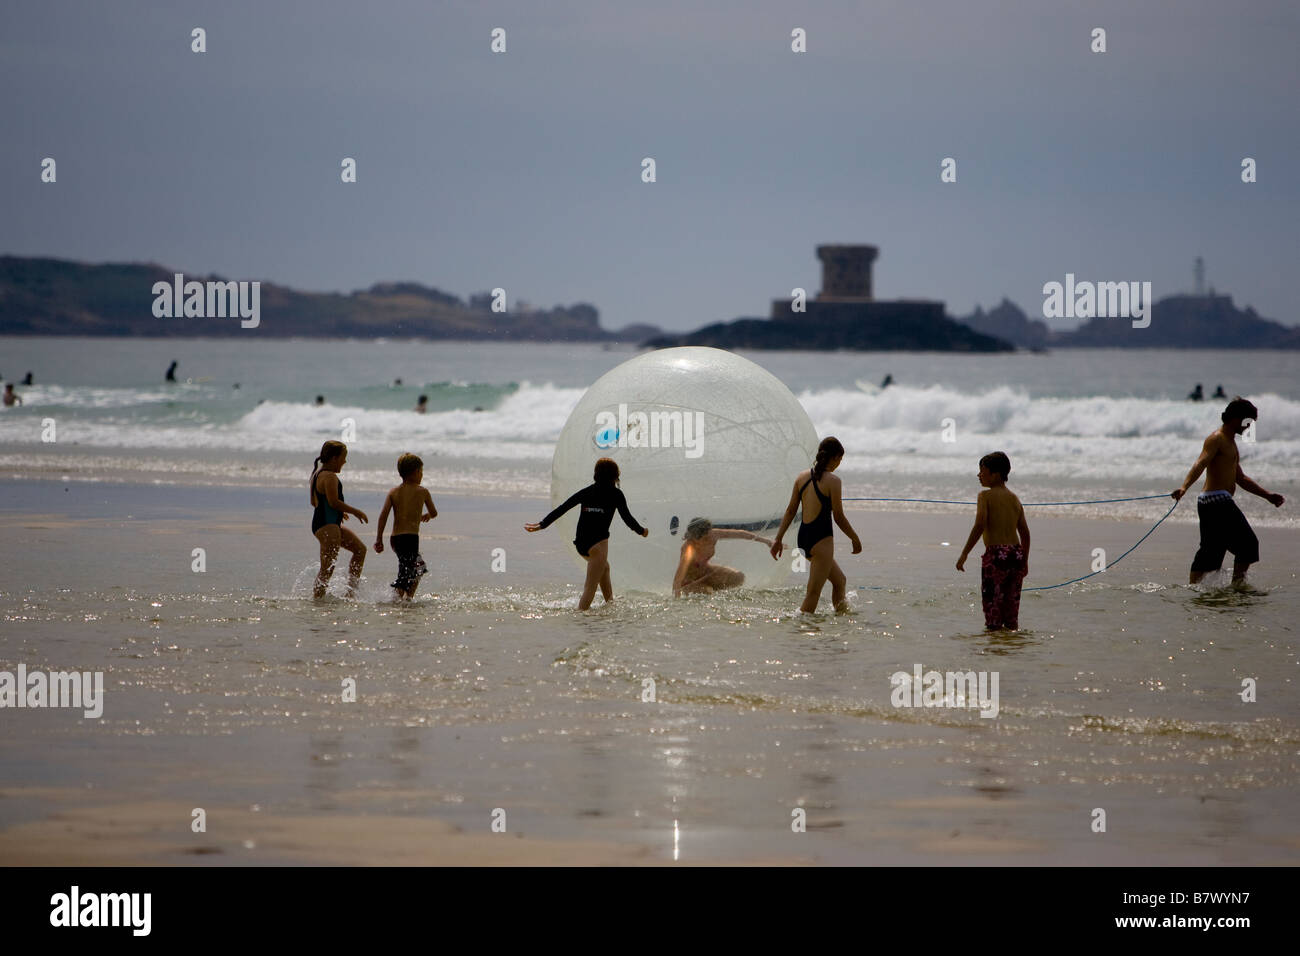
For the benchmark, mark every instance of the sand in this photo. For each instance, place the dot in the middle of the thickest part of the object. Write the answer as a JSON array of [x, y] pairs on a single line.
[[224, 687]]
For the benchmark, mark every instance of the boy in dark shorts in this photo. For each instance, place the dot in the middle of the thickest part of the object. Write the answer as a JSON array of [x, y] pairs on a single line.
[[1223, 527], [1000, 519], [406, 501]]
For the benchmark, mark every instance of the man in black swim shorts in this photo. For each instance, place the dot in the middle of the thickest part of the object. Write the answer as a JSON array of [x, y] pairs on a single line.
[[1223, 527]]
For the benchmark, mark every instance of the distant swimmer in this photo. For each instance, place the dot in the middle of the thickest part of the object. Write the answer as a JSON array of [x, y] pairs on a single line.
[[1219, 392], [27, 379], [320, 400], [1000, 520], [1223, 527], [1197, 394], [695, 575], [816, 536], [407, 502], [328, 517], [599, 501], [11, 397], [422, 404], [397, 383], [171, 371], [889, 380]]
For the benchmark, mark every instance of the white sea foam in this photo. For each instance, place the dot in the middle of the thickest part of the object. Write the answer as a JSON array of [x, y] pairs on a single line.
[[895, 432], [1013, 411]]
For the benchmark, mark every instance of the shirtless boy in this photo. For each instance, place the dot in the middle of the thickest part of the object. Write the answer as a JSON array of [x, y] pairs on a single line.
[[1223, 526], [406, 501], [1000, 518]]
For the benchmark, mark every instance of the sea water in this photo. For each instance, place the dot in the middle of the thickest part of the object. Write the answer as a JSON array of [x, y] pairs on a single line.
[[695, 727], [1076, 423]]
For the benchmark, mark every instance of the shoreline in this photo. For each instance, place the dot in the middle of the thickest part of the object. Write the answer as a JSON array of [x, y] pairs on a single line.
[[534, 490]]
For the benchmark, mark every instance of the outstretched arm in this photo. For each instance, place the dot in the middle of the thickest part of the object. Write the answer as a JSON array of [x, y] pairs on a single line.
[[739, 533], [550, 518]]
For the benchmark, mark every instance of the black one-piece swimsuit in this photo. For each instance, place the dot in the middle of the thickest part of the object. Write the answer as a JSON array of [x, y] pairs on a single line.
[[820, 527], [324, 514]]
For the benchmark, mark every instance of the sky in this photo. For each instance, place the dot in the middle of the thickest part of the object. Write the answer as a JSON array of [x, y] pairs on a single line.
[[523, 169]]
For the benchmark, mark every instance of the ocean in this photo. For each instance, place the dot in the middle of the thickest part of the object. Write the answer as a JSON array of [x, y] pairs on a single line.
[[690, 730], [1076, 423]]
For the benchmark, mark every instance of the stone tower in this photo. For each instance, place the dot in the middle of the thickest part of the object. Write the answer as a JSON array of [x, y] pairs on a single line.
[[846, 273]]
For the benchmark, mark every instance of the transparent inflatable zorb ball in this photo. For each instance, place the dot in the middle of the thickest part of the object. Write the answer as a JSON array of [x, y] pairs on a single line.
[[697, 433]]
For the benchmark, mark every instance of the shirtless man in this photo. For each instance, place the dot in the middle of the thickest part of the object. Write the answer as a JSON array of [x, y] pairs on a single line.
[[695, 575], [1223, 526]]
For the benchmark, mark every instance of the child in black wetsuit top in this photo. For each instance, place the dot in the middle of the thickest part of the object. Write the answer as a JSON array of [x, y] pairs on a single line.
[[599, 501]]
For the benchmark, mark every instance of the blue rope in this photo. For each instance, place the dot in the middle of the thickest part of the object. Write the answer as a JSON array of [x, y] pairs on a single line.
[[1046, 587]]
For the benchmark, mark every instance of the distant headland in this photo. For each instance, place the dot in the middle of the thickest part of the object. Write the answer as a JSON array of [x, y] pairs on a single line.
[[46, 296], [40, 296], [1182, 321]]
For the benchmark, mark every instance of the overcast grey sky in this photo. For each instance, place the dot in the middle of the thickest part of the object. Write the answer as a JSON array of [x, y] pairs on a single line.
[[522, 169]]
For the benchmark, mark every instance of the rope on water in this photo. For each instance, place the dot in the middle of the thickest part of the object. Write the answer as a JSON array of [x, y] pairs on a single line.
[[1045, 587], [1049, 587]]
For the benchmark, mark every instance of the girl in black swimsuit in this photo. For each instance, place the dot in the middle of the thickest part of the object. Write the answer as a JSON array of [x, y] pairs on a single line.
[[328, 517], [816, 538], [599, 501]]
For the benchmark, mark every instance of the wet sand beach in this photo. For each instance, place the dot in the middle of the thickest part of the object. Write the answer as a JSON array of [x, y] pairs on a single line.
[[223, 690]]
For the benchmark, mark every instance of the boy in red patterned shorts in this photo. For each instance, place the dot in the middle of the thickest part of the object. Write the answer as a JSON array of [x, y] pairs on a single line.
[[1000, 518]]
